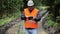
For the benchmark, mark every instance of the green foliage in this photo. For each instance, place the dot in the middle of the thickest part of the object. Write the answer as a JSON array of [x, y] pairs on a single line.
[[9, 6], [8, 19], [49, 16], [50, 22], [37, 2], [9, 10], [58, 18]]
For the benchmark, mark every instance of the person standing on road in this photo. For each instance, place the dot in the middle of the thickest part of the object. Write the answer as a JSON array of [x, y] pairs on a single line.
[[31, 17]]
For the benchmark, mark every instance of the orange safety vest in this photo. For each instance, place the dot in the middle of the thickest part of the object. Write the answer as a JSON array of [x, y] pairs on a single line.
[[32, 14]]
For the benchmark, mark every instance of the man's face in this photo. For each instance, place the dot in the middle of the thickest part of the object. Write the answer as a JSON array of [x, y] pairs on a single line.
[[30, 8]]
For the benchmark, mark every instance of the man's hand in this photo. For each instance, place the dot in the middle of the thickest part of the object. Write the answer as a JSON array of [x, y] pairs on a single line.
[[34, 17], [27, 16], [31, 21]]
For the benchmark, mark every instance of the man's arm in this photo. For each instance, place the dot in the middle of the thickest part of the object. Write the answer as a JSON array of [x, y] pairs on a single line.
[[23, 16], [38, 17]]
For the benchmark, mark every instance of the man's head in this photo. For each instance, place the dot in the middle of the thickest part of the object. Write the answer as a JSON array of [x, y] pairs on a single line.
[[30, 5]]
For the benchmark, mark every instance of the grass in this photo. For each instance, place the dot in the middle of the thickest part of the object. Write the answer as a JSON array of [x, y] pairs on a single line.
[[21, 32], [8, 19], [22, 24]]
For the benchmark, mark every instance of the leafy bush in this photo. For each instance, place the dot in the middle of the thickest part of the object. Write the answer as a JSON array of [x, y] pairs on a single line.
[[50, 22], [8, 19]]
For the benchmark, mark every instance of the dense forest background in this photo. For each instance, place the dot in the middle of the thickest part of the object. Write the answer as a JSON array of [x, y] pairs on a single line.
[[11, 9]]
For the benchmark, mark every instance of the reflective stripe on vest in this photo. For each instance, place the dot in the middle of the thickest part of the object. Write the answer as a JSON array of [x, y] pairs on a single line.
[[32, 14]]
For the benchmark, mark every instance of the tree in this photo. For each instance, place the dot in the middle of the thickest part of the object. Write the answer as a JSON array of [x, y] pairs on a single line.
[[8, 7]]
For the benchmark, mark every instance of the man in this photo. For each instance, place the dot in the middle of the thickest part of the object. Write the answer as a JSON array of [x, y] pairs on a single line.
[[31, 17]]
